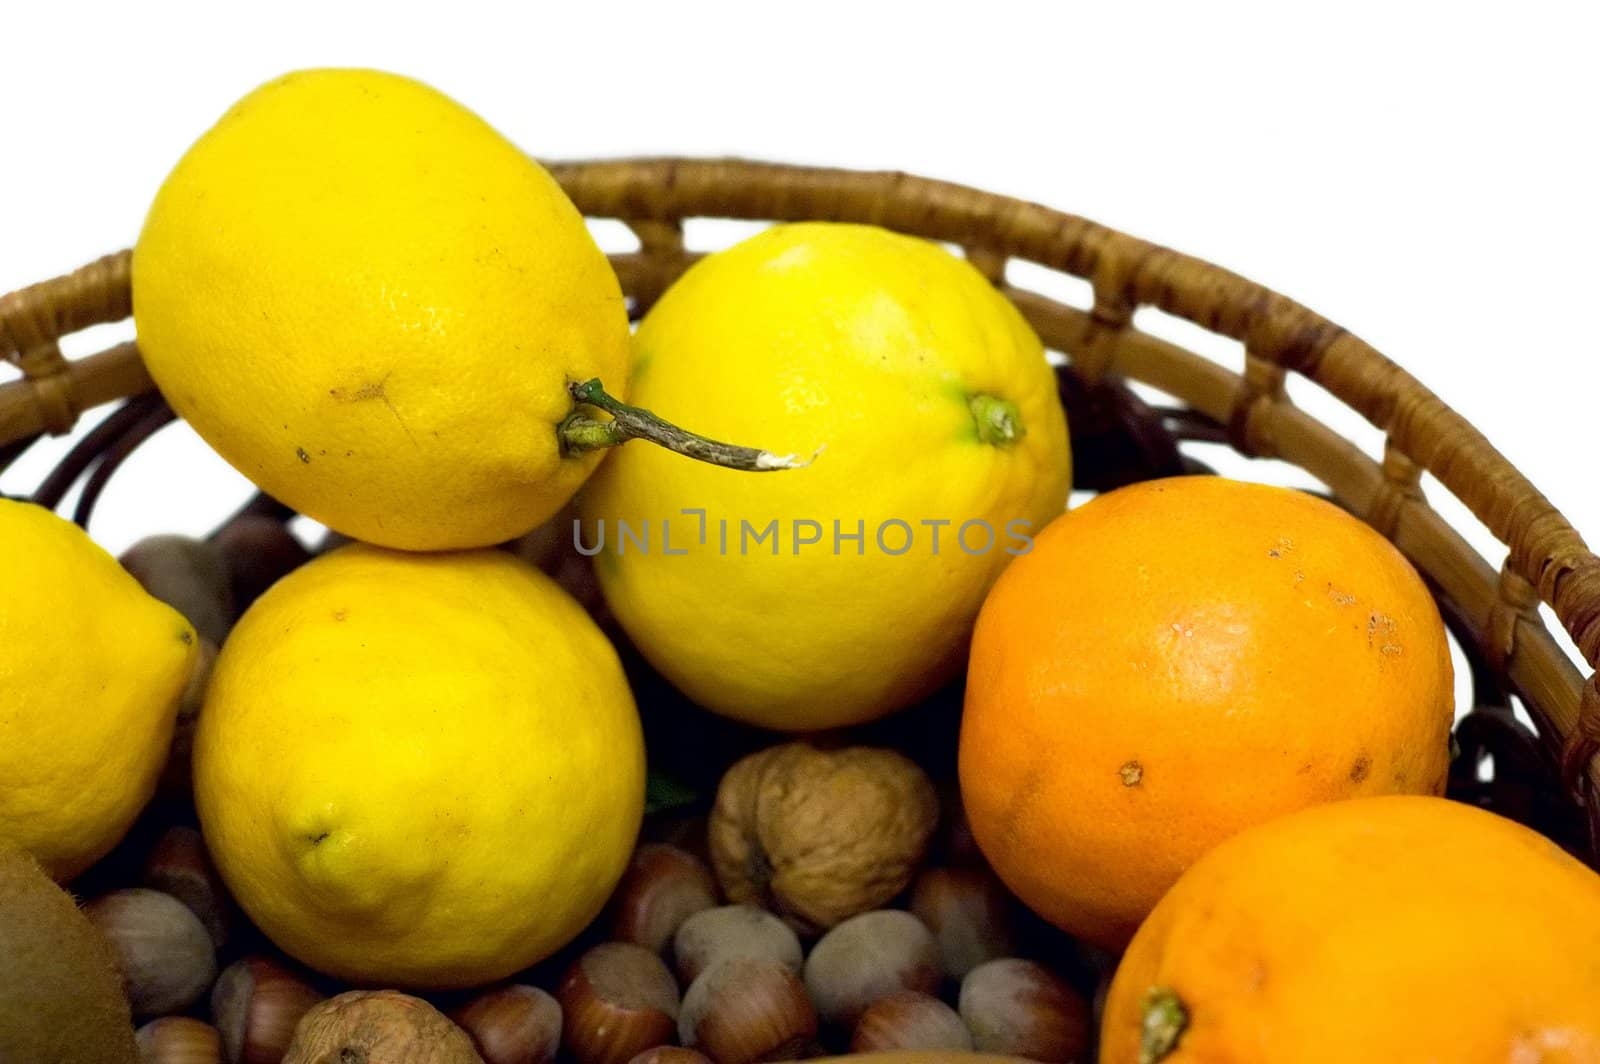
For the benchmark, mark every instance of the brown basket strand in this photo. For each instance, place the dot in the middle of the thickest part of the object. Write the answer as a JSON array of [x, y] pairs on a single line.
[[1545, 554], [89, 450], [148, 424], [10, 452]]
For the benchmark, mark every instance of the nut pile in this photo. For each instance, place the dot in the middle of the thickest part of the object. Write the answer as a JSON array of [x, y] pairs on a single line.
[[683, 974]]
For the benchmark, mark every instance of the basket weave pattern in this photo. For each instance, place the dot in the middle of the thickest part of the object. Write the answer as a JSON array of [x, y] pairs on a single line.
[[1495, 613]]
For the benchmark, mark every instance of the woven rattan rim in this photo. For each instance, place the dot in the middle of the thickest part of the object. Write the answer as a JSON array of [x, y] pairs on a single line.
[[1547, 560]]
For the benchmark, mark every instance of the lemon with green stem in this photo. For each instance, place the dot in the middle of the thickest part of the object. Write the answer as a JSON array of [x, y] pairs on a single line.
[[380, 310], [845, 590]]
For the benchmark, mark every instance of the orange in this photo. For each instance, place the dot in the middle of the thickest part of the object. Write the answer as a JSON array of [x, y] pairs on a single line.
[[1387, 929], [1176, 661]]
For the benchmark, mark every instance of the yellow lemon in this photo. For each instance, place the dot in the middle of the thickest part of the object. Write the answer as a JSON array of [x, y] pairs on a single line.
[[371, 304], [839, 592], [419, 770], [89, 686]]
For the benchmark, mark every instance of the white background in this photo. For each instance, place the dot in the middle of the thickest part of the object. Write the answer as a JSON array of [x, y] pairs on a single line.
[[1424, 175]]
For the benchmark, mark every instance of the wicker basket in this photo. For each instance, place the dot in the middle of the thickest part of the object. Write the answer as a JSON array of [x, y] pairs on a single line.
[[1549, 779]]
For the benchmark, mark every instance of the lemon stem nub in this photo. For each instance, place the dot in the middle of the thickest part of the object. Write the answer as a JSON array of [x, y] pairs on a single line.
[[1162, 1022], [580, 433], [999, 420]]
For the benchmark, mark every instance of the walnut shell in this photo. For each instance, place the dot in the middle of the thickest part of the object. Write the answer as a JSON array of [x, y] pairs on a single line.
[[818, 836]]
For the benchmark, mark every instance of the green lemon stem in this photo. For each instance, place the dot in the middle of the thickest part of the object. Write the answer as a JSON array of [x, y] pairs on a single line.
[[1163, 1019], [579, 433], [999, 421]]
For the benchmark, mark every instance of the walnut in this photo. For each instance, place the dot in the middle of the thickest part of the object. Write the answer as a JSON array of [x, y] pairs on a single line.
[[819, 836]]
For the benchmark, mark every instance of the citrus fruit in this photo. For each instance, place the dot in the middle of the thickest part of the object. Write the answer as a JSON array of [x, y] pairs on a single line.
[[419, 770], [92, 672], [1175, 661], [1396, 928], [371, 304], [845, 590]]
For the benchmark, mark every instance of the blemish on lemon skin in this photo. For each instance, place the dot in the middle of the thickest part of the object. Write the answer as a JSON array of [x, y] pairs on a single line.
[[1132, 773], [1359, 770], [300, 453], [340, 614], [1284, 546], [372, 390], [1340, 598]]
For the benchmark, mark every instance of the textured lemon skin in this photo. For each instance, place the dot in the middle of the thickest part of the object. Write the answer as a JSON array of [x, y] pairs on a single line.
[[89, 684], [369, 302], [419, 770], [872, 344]]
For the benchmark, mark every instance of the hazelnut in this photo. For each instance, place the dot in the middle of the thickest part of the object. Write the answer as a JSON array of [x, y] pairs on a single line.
[[1021, 1008], [732, 931], [176, 776], [549, 547], [178, 1040], [662, 888], [179, 865], [166, 958], [671, 1055], [746, 1009], [868, 957], [907, 1019], [545, 546], [256, 551], [1097, 1004], [190, 576], [377, 1027], [684, 827], [577, 577], [618, 1000], [954, 844], [515, 1024], [818, 836], [969, 913], [256, 1005]]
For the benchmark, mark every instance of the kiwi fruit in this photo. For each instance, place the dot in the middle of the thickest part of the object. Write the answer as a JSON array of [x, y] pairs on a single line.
[[61, 999]]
